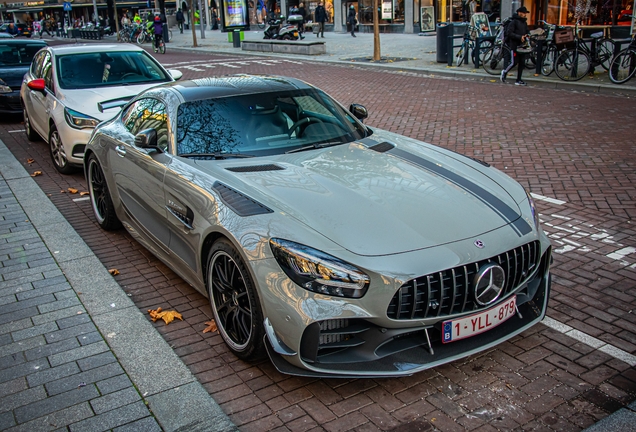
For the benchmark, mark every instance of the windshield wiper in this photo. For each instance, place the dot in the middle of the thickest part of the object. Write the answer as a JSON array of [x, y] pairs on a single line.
[[314, 146], [216, 156]]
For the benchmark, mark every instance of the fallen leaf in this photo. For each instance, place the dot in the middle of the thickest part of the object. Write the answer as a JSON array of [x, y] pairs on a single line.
[[211, 326], [37, 173], [84, 193], [62, 191], [166, 316], [113, 272], [72, 190], [30, 160]]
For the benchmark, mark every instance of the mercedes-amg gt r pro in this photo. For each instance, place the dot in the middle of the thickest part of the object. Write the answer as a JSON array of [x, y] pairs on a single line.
[[337, 248]]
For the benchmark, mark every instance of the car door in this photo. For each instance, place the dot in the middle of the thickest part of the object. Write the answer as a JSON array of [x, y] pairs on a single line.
[[36, 102], [139, 172]]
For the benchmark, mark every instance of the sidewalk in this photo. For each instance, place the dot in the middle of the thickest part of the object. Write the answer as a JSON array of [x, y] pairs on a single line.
[[76, 351], [415, 53]]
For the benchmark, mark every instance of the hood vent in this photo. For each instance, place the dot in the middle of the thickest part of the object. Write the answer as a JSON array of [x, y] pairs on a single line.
[[382, 147], [239, 203], [255, 168]]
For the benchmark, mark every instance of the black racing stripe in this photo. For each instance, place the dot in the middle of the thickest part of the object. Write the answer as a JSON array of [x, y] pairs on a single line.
[[507, 213]]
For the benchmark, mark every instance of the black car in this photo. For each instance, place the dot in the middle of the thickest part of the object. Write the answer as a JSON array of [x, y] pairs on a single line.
[[23, 29], [15, 60]]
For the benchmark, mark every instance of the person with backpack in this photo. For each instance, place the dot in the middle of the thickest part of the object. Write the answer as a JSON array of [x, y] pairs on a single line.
[[515, 35], [180, 20]]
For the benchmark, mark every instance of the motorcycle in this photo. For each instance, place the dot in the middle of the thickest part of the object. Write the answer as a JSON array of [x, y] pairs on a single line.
[[276, 30]]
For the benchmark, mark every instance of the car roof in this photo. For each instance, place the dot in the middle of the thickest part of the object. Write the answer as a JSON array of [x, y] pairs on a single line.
[[233, 85], [93, 48]]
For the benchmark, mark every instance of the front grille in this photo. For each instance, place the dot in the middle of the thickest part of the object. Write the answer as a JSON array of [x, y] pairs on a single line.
[[451, 291]]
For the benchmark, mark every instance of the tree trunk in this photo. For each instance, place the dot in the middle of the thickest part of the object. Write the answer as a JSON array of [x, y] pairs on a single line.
[[194, 35], [376, 31]]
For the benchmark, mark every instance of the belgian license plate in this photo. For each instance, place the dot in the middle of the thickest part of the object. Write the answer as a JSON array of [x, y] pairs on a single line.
[[461, 328]]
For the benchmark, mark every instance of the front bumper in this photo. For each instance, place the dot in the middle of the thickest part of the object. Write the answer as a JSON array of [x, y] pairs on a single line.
[[74, 141], [10, 103], [366, 347]]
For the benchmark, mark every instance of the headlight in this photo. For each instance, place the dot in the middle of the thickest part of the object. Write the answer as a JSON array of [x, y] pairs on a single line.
[[4, 88], [319, 272], [78, 120], [533, 209]]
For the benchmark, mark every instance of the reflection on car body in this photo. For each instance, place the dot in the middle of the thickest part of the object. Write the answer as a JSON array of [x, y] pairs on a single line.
[[338, 249]]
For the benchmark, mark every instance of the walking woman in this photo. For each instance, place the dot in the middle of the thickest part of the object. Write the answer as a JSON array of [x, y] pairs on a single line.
[[351, 20]]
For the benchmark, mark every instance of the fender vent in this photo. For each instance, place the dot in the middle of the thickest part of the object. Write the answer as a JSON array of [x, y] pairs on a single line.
[[382, 147], [255, 168], [239, 203]]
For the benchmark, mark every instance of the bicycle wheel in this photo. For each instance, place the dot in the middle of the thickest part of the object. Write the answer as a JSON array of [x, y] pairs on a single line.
[[572, 65], [141, 37], [623, 67], [548, 60], [494, 59], [605, 52], [484, 47], [162, 47]]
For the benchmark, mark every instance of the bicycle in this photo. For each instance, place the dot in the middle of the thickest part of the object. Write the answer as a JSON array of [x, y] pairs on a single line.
[[623, 67], [495, 57], [574, 63], [468, 47], [162, 46]]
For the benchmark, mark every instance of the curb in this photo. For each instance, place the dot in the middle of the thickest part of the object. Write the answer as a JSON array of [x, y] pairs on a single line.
[[175, 397]]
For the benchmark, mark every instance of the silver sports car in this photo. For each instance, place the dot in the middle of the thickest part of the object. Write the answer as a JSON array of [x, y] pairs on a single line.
[[338, 249]]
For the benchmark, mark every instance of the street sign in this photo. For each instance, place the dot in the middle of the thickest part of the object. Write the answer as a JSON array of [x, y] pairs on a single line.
[[67, 6]]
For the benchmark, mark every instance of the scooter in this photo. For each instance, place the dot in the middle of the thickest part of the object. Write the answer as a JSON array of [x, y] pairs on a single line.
[[275, 30]]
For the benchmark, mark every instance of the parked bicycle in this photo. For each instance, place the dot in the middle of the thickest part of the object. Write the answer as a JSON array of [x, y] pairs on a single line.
[[468, 46], [623, 66], [574, 63], [494, 57]]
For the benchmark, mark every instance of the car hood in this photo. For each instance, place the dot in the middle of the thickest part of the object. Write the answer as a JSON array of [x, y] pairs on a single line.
[[13, 75], [86, 100], [374, 203]]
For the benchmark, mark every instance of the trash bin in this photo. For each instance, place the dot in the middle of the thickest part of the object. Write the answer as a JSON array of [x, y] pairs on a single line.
[[166, 33], [236, 38], [444, 30]]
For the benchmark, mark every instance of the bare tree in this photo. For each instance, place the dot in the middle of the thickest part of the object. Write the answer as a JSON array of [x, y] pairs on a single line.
[[376, 31]]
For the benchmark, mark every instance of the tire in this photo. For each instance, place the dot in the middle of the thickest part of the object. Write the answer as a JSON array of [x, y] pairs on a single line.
[[494, 59], [572, 65], [101, 201], [605, 50], [234, 302], [548, 61], [141, 37], [623, 67], [58, 154], [459, 57], [162, 48], [484, 47], [28, 129]]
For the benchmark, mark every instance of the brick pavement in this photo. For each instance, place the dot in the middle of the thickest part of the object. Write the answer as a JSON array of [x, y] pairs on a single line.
[[572, 146]]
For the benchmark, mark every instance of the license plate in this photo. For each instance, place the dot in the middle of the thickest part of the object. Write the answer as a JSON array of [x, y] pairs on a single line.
[[461, 328]]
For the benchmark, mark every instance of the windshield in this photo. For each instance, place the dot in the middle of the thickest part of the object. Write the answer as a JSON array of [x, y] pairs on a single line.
[[90, 70], [16, 55], [264, 124]]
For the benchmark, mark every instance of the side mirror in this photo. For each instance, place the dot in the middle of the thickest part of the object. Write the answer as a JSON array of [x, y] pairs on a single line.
[[358, 111], [37, 85], [147, 139], [176, 74]]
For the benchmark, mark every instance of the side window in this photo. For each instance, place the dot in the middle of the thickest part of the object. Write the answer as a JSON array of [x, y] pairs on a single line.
[[46, 71], [148, 114], [36, 66]]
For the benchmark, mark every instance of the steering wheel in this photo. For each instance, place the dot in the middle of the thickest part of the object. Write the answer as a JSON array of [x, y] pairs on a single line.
[[129, 74], [303, 122]]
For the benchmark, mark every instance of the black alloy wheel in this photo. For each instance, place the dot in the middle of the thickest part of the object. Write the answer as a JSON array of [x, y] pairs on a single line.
[[100, 196], [58, 154], [234, 302]]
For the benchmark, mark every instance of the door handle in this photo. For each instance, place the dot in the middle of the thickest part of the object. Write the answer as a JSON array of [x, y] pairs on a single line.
[[120, 150]]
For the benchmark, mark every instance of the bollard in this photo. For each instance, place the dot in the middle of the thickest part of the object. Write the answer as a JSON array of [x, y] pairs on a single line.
[[449, 55], [236, 38]]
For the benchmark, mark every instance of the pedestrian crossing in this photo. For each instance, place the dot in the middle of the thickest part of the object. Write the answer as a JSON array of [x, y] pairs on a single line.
[[232, 63]]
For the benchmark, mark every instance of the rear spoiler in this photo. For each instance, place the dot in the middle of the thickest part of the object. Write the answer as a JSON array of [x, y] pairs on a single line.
[[113, 103]]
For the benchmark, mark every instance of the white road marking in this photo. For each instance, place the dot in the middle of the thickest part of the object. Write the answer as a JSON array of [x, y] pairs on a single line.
[[622, 253], [16, 131], [194, 65], [547, 199], [591, 341], [81, 199]]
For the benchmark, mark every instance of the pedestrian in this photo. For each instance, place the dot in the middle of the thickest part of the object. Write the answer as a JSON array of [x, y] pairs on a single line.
[[351, 20], [12, 30], [302, 12], [137, 19], [215, 19], [320, 16], [44, 27], [158, 31], [125, 21], [180, 20], [515, 38]]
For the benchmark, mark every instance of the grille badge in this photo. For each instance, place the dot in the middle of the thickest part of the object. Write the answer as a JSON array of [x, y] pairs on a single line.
[[489, 282], [480, 244]]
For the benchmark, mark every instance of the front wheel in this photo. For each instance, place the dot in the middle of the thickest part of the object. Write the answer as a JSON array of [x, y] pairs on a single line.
[[234, 301], [58, 153], [162, 48], [572, 65], [494, 59], [141, 38], [605, 52], [28, 127], [548, 61], [100, 196], [623, 67]]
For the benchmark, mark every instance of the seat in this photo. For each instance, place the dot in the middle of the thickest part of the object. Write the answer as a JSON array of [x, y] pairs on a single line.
[[268, 124]]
